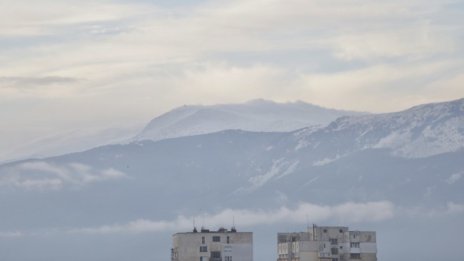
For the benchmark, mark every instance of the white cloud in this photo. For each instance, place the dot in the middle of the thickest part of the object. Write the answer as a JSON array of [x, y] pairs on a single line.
[[41, 175], [401, 84], [345, 213], [453, 208], [454, 178], [11, 234], [349, 212], [135, 60], [46, 17]]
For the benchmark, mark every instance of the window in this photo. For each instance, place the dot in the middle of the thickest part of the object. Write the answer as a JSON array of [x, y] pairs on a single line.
[[215, 254], [354, 244], [202, 240], [216, 239], [203, 249], [334, 259], [325, 230], [228, 240], [333, 241], [355, 256], [341, 230], [228, 258], [334, 251]]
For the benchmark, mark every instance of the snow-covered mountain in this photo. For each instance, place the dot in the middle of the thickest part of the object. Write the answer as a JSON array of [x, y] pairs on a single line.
[[421, 131], [411, 161], [255, 115]]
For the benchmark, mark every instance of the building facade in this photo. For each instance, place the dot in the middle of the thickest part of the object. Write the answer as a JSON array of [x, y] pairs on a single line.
[[205, 245], [327, 244]]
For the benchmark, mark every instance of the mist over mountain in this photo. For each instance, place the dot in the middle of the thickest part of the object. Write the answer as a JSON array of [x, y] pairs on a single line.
[[66, 142], [395, 173], [255, 115]]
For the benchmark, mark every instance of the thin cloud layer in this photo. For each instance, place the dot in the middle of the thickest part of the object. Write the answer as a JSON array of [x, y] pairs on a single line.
[[41, 175], [304, 212], [349, 212]]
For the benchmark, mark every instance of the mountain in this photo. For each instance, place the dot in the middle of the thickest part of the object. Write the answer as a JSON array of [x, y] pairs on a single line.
[[396, 173], [256, 115], [63, 142]]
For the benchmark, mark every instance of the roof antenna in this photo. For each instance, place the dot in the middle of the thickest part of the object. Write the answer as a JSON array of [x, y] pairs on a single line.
[[233, 229], [194, 226], [204, 220], [307, 222]]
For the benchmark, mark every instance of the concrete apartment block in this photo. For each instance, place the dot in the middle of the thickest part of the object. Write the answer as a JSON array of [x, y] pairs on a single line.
[[206, 245], [327, 244]]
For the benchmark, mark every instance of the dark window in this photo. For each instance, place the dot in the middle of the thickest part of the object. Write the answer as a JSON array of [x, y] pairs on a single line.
[[334, 259], [334, 251], [215, 254], [341, 231], [354, 244], [228, 240], [325, 230], [333, 241], [355, 256], [203, 249], [202, 240], [216, 239]]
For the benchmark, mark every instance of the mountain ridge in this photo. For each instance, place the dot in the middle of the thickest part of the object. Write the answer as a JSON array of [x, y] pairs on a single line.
[[254, 115]]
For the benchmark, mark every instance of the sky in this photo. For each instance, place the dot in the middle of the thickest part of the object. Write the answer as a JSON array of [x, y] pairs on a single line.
[[89, 65]]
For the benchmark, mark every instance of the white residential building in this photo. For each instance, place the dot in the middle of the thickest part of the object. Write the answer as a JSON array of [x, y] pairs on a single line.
[[327, 244], [206, 245]]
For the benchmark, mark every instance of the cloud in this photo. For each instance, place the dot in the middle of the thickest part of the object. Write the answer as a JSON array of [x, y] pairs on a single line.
[[139, 59], [451, 208], [350, 212], [27, 82], [41, 175], [371, 85], [344, 213], [21, 18], [454, 178], [11, 234]]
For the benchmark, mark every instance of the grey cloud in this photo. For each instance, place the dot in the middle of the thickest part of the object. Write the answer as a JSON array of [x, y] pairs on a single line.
[[451, 208], [28, 82], [11, 234], [40, 175]]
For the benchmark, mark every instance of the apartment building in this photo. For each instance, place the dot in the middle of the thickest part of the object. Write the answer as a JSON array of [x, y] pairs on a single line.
[[327, 243], [206, 245]]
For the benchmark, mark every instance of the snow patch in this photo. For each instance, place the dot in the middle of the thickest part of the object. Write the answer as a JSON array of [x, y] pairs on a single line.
[[327, 161], [280, 168]]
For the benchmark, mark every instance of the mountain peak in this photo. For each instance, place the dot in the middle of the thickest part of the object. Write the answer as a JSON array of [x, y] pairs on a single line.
[[258, 115]]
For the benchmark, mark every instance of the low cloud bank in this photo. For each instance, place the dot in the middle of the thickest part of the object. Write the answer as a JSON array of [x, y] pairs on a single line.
[[349, 212], [41, 175], [346, 213]]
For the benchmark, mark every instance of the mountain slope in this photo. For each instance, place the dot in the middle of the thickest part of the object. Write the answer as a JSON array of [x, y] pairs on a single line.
[[421, 131], [257, 115], [250, 171]]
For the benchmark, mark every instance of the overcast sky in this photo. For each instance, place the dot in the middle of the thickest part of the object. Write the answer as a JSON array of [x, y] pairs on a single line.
[[76, 64]]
